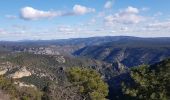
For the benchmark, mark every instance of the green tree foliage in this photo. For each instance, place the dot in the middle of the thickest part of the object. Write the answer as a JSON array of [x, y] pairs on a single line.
[[150, 82], [89, 82]]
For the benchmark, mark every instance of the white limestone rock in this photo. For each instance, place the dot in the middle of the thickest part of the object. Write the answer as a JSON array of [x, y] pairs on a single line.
[[23, 72]]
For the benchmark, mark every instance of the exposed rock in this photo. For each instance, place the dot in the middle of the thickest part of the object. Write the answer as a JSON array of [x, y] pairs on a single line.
[[60, 59], [119, 66], [43, 51], [23, 72], [6, 65], [2, 72], [22, 84]]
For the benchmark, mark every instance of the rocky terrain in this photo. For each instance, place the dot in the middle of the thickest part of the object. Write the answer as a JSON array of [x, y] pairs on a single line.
[[31, 70], [128, 51], [35, 64]]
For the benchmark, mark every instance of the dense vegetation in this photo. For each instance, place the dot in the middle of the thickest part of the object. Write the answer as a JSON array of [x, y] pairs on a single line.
[[89, 82], [150, 82]]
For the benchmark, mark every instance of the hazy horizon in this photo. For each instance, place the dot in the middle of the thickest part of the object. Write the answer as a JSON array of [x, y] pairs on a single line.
[[23, 40]]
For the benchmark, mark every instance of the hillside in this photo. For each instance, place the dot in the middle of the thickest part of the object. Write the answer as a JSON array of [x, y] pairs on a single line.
[[41, 70], [44, 64], [129, 51], [125, 50]]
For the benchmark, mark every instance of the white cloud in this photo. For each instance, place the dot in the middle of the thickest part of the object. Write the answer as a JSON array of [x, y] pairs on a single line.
[[29, 13], [80, 10], [129, 15], [108, 4], [131, 10], [159, 25], [92, 22], [2, 32], [124, 29], [65, 29], [109, 20]]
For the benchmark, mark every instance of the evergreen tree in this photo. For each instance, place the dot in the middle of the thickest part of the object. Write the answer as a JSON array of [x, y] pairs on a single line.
[[150, 82], [89, 82]]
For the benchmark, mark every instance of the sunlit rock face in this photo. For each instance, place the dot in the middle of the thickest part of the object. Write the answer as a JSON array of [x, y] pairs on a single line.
[[23, 72], [5, 67], [2, 72]]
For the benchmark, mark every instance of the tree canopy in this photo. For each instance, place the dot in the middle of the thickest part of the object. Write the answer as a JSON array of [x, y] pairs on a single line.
[[89, 82], [150, 82]]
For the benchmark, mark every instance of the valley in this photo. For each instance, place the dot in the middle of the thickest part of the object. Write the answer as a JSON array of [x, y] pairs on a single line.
[[42, 64]]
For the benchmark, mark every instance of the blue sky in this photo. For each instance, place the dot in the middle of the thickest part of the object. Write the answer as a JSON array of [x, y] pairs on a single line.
[[58, 19]]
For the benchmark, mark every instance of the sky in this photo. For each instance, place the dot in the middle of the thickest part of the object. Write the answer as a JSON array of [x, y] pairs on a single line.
[[62, 19]]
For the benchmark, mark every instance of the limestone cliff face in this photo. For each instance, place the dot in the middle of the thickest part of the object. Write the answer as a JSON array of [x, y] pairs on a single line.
[[2, 72], [23, 72]]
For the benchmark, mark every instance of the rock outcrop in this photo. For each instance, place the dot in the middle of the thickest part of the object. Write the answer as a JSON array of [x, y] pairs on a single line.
[[23, 72], [22, 84], [2, 72]]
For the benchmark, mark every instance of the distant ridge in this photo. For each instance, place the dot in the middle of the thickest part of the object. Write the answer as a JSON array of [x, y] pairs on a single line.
[[84, 38]]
